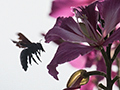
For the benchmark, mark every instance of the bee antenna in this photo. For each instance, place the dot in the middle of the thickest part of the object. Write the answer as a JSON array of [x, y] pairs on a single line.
[[40, 40]]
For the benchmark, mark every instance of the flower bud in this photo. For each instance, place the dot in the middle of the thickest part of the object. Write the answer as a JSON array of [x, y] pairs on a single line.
[[77, 79]]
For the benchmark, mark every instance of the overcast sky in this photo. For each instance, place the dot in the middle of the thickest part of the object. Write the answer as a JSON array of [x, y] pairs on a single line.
[[31, 18]]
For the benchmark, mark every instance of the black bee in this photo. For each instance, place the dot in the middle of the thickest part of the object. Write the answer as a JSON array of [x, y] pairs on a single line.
[[28, 51]]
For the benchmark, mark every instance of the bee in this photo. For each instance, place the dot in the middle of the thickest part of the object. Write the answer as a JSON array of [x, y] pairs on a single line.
[[30, 48]]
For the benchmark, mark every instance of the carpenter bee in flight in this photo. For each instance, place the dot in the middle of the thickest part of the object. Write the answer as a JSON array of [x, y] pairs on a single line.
[[30, 48]]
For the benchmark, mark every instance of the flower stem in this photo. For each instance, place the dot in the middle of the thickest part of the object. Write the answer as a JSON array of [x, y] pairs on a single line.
[[108, 66], [96, 73], [107, 61], [109, 81], [116, 53]]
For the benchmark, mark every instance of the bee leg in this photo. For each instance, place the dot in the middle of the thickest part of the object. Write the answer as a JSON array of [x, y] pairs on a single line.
[[30, 59], [34, 59], [37, 56], [39, 52]]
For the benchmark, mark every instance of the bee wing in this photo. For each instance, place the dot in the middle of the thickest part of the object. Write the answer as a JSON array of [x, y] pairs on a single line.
[[23, 38], [20, 44], [24, 42]]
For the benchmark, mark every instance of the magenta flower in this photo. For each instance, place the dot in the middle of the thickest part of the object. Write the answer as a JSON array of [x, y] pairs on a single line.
[[73, 33], [76, 63], [63, 7]]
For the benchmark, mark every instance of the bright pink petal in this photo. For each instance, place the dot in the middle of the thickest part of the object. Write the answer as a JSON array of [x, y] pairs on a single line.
[[76, 63], [91, 58], [63, 7], [110, 14], [101, 67], [65, 53]]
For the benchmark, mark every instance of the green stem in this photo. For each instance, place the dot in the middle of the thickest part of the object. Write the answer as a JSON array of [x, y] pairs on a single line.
[[108, 63], [96, 73], [115, 79], [102, 86], [116, 53], [108, 51], [109, 81]]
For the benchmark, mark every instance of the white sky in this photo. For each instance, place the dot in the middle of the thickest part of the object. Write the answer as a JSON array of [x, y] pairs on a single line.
[[31, 18]]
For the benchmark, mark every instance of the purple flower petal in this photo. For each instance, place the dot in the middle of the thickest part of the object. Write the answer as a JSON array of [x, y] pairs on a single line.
[[65, 53], [110, 14], [89, 16], [66, 29], [114, 37], [63, 7], [90, 13]]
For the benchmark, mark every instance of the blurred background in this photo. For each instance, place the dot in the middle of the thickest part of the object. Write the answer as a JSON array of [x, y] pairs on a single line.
[[30, 17]]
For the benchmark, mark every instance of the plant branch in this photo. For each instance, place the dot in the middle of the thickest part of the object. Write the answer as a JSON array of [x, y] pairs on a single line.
[[115, 79], [108, 63], [116, 53], [96, 73], [108, 51], [102, 86]]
